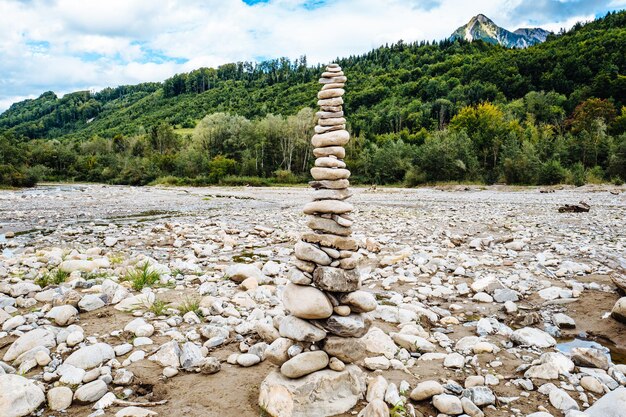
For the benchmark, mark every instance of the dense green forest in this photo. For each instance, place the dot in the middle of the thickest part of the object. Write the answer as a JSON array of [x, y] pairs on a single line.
[[419, 113]]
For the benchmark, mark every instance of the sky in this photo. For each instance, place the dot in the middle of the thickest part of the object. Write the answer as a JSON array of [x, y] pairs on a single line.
[[70, 45]]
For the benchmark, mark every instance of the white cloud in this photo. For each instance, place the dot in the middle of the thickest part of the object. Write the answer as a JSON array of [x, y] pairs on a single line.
[[67, 45]]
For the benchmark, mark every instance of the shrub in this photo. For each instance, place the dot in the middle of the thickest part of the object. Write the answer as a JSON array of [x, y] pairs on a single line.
[[595, 175], [414, 177], [578, 174], [56, 278], [551, 173], [283, 176]]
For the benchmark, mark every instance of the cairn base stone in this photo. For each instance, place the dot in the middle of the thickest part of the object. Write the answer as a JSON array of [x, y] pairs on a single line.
[[320, 394]]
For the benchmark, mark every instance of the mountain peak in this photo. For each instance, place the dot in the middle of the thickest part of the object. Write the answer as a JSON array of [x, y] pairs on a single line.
[[482, 28]]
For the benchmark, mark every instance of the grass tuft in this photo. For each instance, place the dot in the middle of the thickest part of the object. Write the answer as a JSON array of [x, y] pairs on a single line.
[[142, 276], [56, 278], [190, 304]]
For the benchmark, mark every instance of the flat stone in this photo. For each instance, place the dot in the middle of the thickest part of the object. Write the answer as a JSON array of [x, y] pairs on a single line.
[[330, 93], [308, 252], [247, 360], [91, 356], [334, 138], [336, 279], [530, 336], [337, 151], [336, 121], [563, 321], [301, 330], [325, 225], [319, 173], [480, 396], [304, 364], [329, 115], [320, 394], [331, 241], [306, 302], [330, 185], [18, 396], [329, 162], [333, 80], [354, 325], [324, 129]]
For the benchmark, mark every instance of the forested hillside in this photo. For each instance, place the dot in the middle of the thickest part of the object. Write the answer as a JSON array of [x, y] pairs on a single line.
[[422, 112]]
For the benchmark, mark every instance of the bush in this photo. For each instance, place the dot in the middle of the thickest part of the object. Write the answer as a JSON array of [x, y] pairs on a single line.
[[283, 176], [595, 175], [578, 174], [414, 177], [551, 173]]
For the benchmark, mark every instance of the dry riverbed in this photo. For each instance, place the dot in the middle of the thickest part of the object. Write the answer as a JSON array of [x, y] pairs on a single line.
[[489, 292]]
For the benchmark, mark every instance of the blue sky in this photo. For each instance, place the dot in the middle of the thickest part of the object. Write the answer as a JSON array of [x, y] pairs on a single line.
[[69, 45]]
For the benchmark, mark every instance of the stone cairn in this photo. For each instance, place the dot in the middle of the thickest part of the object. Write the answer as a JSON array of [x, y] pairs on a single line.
[[323, 297]]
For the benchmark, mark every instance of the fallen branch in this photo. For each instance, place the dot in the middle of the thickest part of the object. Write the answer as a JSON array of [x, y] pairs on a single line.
[[138, 404]]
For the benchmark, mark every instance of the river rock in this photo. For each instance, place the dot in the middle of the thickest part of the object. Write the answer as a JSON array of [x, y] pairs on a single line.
[[376, 408], [328, 226], [304, 364], [330, 93], [425, 390], [530, 336], [63, 315], [360, 301], [320, 173], [336, 279], [590, 357], [18, 396], [308, 252], [135, 412], [306, 302], [354, 325], [240, 272], [329, 162], [347, 349], [91, 392], [320, 394], [28, 341], [561, 400], [91, 356], [337, 151], [331, 185], [448, 404], [300, 330], [328, 206], [59, 398], [334, 138]]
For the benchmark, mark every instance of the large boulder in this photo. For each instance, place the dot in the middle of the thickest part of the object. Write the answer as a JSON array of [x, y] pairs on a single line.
[[320, 394], [18, 396], [619, 310]]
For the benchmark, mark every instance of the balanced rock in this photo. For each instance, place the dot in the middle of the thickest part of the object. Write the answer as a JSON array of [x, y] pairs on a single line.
[[320, 173], [308, 252], [325, 225], [354, 325], [300, 330], [336, 279], [306, 302], [334, 138], [336, 151], [304, 364]]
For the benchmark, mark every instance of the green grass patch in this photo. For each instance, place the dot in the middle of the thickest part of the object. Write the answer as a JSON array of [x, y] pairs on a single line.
[[190, 304], [142, 276], [52, 278]]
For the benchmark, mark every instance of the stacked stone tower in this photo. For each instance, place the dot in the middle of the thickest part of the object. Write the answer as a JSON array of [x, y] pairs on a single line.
[[323, 299]]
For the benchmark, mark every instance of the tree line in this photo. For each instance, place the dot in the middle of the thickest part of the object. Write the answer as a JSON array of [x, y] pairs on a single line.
[[419, 113]]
